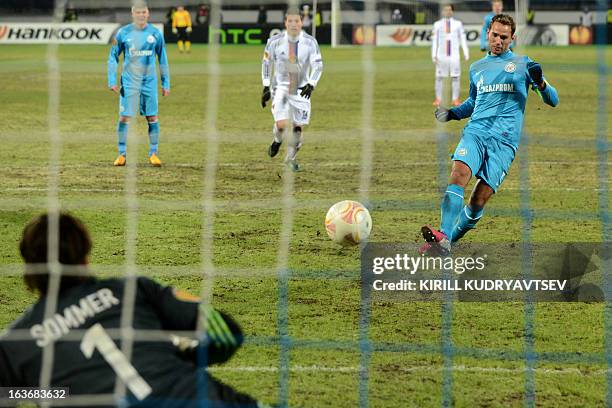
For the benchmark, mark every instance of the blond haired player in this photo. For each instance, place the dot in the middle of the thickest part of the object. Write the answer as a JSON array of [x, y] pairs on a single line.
[[448, 35], [295, 58], [140, 43]]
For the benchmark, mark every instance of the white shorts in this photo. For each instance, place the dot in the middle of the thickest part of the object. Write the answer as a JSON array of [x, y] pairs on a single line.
[[448, 67], [300, 107]]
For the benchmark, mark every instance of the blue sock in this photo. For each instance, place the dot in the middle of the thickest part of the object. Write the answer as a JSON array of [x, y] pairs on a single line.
[[451, 206], [467, 221], [122, 131], [153, 137]]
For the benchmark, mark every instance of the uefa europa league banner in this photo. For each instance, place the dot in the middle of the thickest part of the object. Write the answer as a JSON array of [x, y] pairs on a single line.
[[60, 33], [420, 35]]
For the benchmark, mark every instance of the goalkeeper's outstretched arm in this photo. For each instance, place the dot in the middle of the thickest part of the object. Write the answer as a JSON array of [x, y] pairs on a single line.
[[222, 338], [180, 311], [223, 335]]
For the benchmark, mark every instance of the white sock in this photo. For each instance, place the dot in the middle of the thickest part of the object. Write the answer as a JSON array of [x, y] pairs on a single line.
[[278, 134], [291, 153], [438, 87], [455, 87], [295, 144]]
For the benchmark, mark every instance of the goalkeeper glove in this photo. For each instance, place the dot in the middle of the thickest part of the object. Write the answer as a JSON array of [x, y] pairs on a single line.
[[535, 72], [265, 97], [444, 115], [174, 30], [223, 337], [188, 29], [306, 91]]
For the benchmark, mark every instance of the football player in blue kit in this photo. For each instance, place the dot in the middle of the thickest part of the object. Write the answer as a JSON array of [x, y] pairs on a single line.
[[140, 43], [499, 84]]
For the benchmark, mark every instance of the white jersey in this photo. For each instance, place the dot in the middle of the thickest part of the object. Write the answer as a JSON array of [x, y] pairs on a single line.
[[296, 62], [447, 35]]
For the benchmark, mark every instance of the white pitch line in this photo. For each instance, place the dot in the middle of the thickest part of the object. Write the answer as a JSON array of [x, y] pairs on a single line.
[[264, 166], [270, 191], [409, 369]]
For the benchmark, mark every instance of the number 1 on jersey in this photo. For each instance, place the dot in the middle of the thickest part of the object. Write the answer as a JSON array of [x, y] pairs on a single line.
[[96, 337]]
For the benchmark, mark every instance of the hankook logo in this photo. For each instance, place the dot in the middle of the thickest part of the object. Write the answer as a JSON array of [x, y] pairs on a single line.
[[49, 32], [59, 33]]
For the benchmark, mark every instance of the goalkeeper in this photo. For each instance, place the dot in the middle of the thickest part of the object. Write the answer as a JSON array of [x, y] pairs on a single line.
[[499, 84], [162, 370], [181, 26], [297, 63]]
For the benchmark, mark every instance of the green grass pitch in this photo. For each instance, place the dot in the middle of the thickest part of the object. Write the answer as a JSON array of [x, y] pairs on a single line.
[[323, 290]]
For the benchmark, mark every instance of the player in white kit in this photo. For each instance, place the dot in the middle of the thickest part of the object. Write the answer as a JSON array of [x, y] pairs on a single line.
[[295, 58], [448, 34]]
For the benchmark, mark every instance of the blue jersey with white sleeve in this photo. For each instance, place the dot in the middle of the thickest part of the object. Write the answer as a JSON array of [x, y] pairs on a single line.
[[140, 48], [498, 95]]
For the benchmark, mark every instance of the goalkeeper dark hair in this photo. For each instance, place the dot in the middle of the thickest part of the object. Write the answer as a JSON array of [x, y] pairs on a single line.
[[504, 19], [74, 246]]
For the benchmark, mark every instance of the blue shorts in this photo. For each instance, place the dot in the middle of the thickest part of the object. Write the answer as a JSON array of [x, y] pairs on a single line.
[[144, 97], [488, 158]]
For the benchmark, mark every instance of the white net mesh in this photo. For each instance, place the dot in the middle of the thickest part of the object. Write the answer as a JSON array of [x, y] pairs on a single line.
[[244, 232]]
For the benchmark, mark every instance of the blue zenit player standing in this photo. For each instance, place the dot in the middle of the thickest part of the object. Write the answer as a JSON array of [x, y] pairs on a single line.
[[140, 43]]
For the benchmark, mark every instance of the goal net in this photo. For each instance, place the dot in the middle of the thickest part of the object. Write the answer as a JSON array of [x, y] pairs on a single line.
[[245, 233]]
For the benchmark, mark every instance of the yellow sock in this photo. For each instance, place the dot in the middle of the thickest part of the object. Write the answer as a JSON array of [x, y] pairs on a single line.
[[187, 45], [180, 45]]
